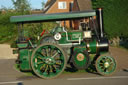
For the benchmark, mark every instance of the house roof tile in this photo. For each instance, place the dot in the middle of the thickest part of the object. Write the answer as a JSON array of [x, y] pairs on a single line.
[[84, 5], [48, 5]]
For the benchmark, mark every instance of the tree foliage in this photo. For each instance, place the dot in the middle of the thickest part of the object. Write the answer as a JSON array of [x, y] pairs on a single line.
[[33, 30], [115, 16], [43, 4], [8, 30], [21, 5]]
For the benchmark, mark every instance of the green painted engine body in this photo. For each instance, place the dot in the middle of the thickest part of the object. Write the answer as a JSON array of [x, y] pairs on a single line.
[[25, 57], [73, 35], [25, 50]]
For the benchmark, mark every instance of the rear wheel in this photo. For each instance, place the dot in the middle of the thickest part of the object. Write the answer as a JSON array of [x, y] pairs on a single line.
[[48, 61]]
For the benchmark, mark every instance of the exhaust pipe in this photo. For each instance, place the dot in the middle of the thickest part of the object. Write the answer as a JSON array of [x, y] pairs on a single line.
[[103, 44], [100, 22]]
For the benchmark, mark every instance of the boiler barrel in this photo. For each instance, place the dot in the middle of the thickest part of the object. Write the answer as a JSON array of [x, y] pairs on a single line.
[[103, 45], [96, 47]]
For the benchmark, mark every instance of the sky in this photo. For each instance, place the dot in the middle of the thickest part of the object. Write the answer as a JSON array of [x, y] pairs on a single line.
[[35, 4]]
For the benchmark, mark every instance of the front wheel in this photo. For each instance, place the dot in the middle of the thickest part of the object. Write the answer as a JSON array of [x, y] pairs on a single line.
[[106, 65], [48, 61]]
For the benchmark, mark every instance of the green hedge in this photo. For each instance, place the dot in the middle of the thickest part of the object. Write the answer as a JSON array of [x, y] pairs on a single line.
[[115, 16]]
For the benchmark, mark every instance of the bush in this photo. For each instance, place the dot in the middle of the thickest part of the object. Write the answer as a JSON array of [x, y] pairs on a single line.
[[7, 30], [33, 30]]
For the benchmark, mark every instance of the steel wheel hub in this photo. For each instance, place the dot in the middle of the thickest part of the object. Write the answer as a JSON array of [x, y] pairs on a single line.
[[49, 61], [106, 64]]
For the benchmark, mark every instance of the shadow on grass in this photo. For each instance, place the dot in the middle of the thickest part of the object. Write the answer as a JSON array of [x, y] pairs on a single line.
[[91, 69], [69, 69]]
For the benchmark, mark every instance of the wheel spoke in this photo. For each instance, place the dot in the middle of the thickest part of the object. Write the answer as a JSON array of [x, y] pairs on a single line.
[[50, 67], [39, 58], [51, 52], [39, 55], [46, 68], [57, 58], [40, 63], [54, 67], [102, 67], [111, 63], [101, 64], [55, 54], [107, 59], [43, 52], [58, 63], [103, 61], [47, 52], [42, 67], [110, 68]]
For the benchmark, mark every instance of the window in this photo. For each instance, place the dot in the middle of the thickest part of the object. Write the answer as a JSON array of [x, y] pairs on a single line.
[[62, 5], [71, 6]]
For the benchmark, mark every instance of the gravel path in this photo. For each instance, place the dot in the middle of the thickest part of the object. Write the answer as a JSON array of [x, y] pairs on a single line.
[[121, 56]]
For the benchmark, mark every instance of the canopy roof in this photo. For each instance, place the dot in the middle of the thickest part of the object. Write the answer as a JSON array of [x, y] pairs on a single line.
[[52, 17]]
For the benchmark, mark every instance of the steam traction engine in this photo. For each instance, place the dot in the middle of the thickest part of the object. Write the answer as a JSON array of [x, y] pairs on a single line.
[[50, 55]]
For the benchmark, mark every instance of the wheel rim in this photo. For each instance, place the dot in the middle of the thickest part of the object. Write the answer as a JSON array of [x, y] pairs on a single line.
[[105, 65], [48, 61]]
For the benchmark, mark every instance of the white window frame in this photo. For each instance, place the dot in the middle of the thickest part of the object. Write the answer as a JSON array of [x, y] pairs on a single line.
[[61, 5]]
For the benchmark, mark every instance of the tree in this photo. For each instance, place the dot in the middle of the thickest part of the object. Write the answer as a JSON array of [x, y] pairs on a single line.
[[43, 4], [21, 5]]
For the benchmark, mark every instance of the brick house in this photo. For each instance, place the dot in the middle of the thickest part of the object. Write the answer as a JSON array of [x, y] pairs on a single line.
[[80, 5], [58, 6]]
